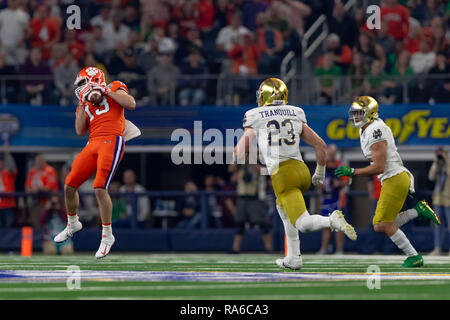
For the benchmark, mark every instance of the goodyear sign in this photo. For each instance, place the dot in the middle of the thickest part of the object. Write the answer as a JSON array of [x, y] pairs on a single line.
[[410, 125]]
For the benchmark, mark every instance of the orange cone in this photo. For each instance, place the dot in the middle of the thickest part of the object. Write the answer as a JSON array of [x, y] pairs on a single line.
[[285, 246], [27, 241]]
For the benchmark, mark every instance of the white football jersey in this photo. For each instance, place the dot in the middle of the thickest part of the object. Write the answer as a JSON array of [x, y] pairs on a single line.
[[278, 129], [378, 131]]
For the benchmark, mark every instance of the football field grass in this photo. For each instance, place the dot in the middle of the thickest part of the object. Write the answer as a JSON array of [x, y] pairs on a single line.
[[214, 276]]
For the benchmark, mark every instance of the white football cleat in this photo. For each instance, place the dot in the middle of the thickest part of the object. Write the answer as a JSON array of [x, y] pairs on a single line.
[[293, 263], [68, 232], [338, 223], [105, 246]]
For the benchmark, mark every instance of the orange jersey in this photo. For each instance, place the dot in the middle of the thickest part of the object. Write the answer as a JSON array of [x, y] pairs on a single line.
[[7, 180], [107, 118]]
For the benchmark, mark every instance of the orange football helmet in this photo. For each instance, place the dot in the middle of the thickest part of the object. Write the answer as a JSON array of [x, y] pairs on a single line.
[[90, 74], [87, 76]]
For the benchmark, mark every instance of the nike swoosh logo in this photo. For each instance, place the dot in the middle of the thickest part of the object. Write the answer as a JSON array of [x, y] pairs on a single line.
[[104, 251]]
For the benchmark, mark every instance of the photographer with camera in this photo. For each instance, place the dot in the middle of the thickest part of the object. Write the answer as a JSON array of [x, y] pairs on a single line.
[[53, 219], [440, 173], [250, 206]]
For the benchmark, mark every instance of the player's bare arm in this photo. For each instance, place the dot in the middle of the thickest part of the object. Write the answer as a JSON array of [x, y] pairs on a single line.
[[123, 98], [81, 122], [242, 147], [312, 138], [379, 152]]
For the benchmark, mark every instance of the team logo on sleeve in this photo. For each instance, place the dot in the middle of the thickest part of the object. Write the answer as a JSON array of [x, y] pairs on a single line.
[[377, 134]]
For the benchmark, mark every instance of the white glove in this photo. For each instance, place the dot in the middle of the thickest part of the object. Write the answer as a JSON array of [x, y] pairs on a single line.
[[318, 176], [82, 92], [131, 131]]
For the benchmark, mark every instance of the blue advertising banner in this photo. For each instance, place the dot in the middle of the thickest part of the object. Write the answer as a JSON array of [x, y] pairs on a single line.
[[53, 126]]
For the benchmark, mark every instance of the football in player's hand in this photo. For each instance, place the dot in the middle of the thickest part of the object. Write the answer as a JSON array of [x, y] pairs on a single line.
[[95, 96]]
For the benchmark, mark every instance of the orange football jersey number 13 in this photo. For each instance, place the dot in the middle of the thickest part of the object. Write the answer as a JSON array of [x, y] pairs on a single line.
[[98, 111]]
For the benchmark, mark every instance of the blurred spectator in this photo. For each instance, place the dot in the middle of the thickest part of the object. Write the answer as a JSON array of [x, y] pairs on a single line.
[[115, 31], [228, 35], [214, 209], [46, 31], [41, 178], [120, 218], [250, 209], [205, 15], [330, 193], [11, 86], [228, 203], [188, 208], [64, 78], [37, 87], [396, 16], [343, 24], [161, 81], [131, 17], [193, 86], [280, 18], [439, 87], [370, 50], [357, 73], [186, 16], [59, 53], [270, 44], [222, 12], [148, 57], [436, 31], [327, 75], [13, 32], [295, 12], [399, 73], [385, 40], [375, 83], [103, 18], [412, 42], [8, 173], [143, 204], [342, 54], [427, 9], [245, 55], [249, 11], [53, 220], [127, 70], [192, 42], [423, 60], [99, 42], [439, 173], [74, 46]]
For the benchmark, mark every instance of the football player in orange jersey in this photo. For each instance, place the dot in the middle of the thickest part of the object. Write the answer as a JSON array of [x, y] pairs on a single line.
[[105, 121]]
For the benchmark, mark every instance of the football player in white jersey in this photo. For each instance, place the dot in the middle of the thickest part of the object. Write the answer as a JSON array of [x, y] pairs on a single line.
[[277, 128], [378, 146]]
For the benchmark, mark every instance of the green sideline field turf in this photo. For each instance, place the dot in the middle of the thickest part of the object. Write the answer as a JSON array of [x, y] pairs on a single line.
[[220, 277]]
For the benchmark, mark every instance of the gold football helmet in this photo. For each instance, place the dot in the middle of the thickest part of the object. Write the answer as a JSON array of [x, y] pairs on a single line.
[[363, 110], [272, 91]]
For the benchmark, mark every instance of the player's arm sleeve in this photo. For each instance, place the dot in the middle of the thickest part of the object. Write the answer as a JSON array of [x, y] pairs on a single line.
[[117, 85], [377, 134], [249, 120]]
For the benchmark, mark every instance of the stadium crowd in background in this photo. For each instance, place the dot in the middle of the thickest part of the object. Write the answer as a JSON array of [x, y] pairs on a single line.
[[132, 39]]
